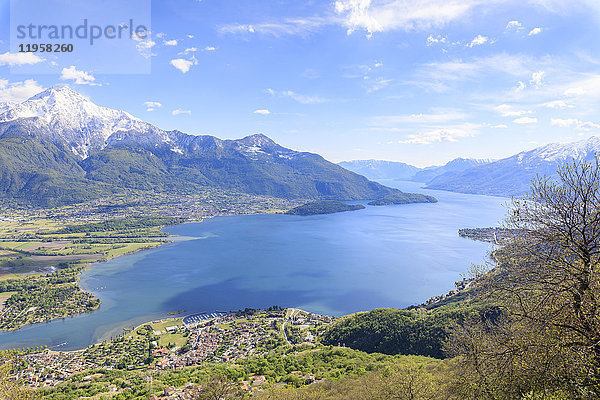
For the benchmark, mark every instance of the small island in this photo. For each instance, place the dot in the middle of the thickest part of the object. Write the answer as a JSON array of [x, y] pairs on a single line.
[[324, 207], [403, 198]]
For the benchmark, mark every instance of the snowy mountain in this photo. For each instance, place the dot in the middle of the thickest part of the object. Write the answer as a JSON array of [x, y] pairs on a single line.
[[378, 169], [63, 115], [4, 106], [512, 176], [58, 147]]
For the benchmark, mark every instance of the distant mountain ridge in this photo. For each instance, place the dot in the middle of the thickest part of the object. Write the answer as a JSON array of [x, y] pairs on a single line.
[[452, 167], [379, 169], [507, 177], [512, 176], [59, 148]]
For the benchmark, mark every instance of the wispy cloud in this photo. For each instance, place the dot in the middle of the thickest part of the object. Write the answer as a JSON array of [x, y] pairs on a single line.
[[443, 134], [436, 118], [144, 43], [19, 59], [509, 111], [152, 105], [17, 92], [432, 40], [514, 26], [557, 104], [478, 41], [289, 26], [458, 70], [179, 111], [79, 77], [535, 31], [383, 15], [374, 85], [574, 123], [300, 98], [525, 120], [262, 112]]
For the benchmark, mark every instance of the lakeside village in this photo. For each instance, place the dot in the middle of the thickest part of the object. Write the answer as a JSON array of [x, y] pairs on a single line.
[[176, 343]]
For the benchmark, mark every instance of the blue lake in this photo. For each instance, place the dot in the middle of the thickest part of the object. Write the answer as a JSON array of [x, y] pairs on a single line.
[[390, 256]]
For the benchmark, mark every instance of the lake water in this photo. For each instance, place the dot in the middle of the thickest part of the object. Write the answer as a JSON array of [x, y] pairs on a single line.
[[390, 256]]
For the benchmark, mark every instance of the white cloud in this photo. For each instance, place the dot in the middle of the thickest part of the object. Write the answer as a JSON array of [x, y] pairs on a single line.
[[18, 92], [144, 44], [574, 91], [377, 84], [437, 118], [564, 123], [508, 111], [179, 111], [514, 26], [170, 42], [80, 77], [535, 31], [190, 36], [270, 91], [431, 40], [182, 64], [478, 41], [262, 112], [161, 35], [565, 7], [383, 15], [188, 51], [577, 124], [210, 48], [19, 59], [386, 15], [152, 105], [557, 104], [303, 99], [536, 78], [458, 69], [443, 134], [289, 26], [525, 120]]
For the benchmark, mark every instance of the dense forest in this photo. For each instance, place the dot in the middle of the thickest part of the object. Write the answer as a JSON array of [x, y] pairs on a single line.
[[324, 207]]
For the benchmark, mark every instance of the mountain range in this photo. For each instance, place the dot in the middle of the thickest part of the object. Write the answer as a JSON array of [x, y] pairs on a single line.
[[59, 148], [512, 176], [509, 176], [378, 169]]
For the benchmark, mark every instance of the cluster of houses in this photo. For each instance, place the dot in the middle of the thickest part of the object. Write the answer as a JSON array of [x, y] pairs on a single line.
[[48, 368], [224, 338]]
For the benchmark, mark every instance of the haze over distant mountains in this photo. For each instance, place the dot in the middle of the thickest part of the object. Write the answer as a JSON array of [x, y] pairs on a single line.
[[377, 169], [510, 176], [59, 148]]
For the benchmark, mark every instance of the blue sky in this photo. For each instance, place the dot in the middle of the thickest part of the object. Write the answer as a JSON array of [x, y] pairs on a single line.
[[418, 81]]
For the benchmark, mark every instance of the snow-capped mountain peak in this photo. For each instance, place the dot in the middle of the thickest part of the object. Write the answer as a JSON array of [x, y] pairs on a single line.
[[560, 152], [63, 114]]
